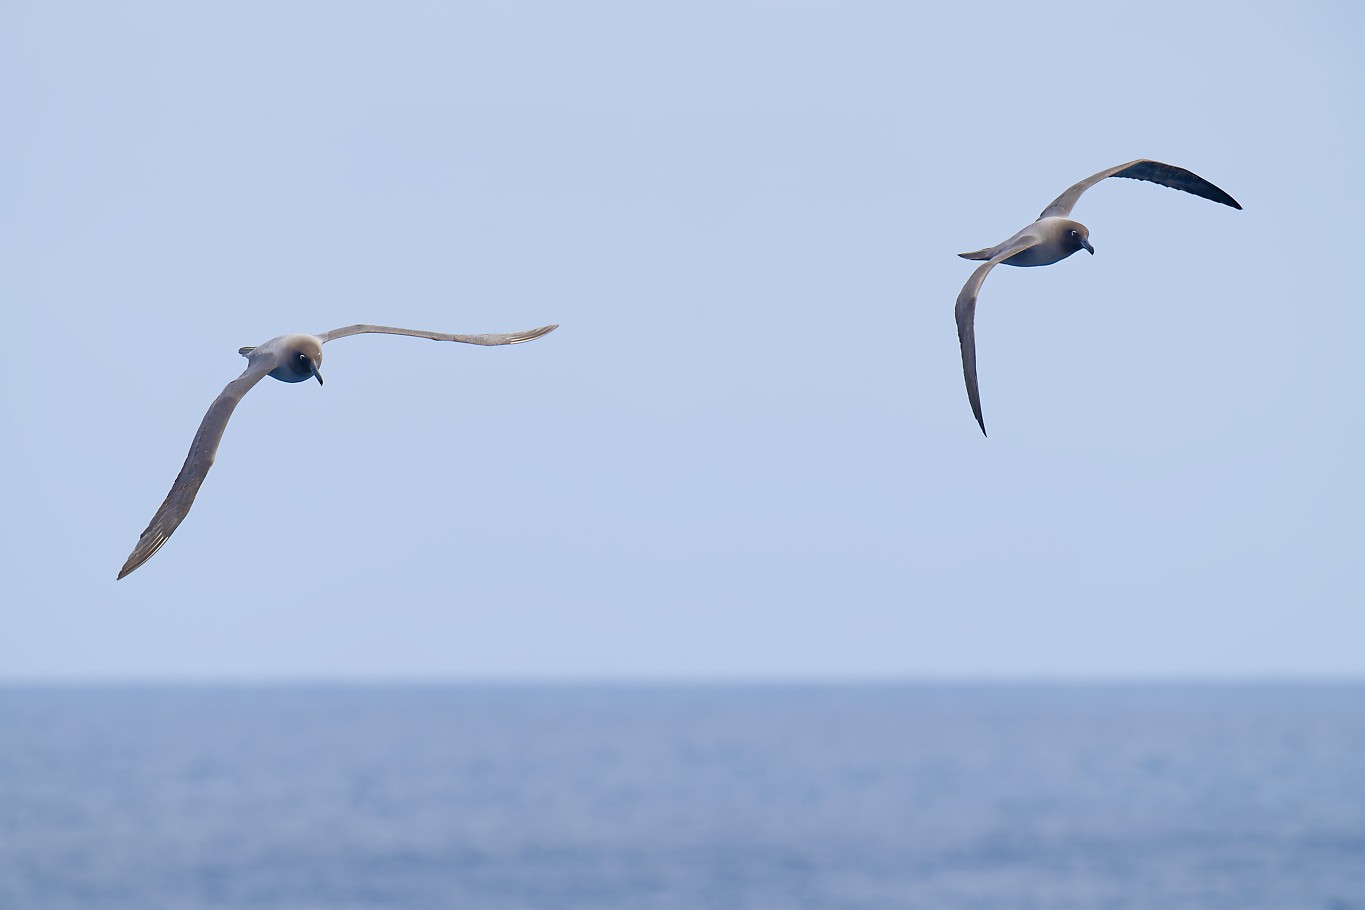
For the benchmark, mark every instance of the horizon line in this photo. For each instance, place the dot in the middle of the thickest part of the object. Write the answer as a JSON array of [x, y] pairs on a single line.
[[684, 680]]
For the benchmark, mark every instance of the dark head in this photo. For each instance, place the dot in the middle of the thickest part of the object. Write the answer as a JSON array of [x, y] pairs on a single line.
[[302, 360], [1077, 237]]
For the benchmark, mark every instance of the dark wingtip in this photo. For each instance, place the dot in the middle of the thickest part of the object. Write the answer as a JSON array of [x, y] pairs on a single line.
[[134, 561], [1178, 178], [1213, 193], [1221, 196]]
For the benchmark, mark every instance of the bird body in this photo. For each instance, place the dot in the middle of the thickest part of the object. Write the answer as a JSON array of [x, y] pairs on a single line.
[[288, 358], [1044, 242], [1052, 238]]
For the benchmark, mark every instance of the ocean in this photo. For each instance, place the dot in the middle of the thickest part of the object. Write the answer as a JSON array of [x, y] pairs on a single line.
[[674, 797]]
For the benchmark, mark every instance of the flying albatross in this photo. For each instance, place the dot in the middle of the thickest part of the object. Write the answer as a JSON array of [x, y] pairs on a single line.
[[1052, 238], [288, 358]]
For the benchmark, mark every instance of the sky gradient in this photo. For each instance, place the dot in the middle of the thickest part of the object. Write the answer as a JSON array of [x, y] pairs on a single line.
[[748, 452]]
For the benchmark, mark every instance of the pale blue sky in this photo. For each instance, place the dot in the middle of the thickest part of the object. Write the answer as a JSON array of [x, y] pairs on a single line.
[[747, 452]]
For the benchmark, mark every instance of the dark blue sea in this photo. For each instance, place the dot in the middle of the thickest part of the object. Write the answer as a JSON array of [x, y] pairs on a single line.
[[674, 797]]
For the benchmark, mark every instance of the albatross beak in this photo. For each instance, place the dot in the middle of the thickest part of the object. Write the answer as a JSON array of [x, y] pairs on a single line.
[[1088, 248], [317, 374]]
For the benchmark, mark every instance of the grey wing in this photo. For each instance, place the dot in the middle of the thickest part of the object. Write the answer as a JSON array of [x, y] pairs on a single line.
[[509, 338], [197, 463], [965, 312], [1142, 169]]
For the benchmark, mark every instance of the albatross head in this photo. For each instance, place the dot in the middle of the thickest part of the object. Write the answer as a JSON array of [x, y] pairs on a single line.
[[1076, 236], [300, 360]]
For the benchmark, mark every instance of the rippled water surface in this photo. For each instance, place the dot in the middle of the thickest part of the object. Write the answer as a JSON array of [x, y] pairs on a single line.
[[644, 797]]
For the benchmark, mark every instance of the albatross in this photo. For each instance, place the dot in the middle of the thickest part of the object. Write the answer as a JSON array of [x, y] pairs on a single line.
[[1052, 238], [288, 358]]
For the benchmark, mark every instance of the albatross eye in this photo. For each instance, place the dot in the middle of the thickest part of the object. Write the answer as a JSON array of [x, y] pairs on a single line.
[[1075, 235]]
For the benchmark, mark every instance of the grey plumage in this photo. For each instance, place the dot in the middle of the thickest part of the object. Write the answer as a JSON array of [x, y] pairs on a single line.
[[1052, 238], [289, 358], [1176, 178]]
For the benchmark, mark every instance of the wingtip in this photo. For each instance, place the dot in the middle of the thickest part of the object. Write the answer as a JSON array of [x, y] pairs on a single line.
[[144, 551], [1224, 197], [533, 334], [134, 561]]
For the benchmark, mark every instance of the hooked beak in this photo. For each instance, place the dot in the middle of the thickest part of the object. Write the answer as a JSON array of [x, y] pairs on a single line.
[[317, 374], [1088, 248]]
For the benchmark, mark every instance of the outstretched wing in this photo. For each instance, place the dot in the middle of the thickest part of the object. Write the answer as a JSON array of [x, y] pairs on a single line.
[[510, 338], [197, 463], [1142, 169], [966, 317]]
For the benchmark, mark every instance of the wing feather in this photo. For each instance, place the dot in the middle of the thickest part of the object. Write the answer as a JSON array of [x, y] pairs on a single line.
[[197, 463], [1142, 169], [509, 338], [965, 311]]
